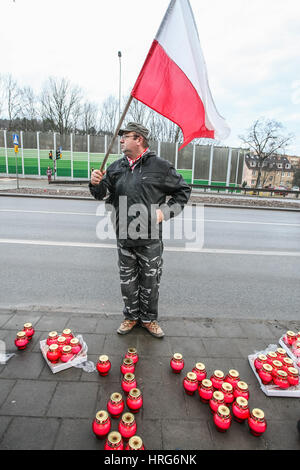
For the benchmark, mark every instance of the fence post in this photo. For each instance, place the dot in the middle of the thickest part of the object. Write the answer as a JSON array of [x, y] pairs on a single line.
[[22, 153], [176, 156], [71, 143], [228, 168], [6, 156], [158, 148], [211, 160], [237, 168], [193, 163], [88, 150], [38, 149]]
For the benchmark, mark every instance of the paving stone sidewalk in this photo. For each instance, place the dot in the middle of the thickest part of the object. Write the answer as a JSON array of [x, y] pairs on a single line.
[[45, 411]]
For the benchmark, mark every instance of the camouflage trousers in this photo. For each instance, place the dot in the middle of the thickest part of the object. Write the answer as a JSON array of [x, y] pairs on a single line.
[[140, 272]]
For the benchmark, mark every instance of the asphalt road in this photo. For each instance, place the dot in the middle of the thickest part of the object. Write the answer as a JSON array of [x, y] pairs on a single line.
[[240, 264]]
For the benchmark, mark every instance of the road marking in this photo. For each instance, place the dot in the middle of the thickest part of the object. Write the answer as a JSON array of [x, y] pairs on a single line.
[[90, 214], [167, 248]]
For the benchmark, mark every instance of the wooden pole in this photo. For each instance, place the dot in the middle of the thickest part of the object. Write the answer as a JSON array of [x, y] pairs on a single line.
[[116, 133]]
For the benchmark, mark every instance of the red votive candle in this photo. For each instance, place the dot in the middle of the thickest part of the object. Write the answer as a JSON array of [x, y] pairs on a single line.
[[281, 353], [296, 348], [132, 354], [67, 333], [205, 390], [277, 365], [29, 330], [114, 441], [227, 390], [190, 383], [265, 374], [293, 376], [200, 371], [257, 422], [177, 363], [217, 379], [66, 354], [127, 426], [115, 405], [75, 345], [222, 418], [281, 379], [61, 341], [53, 353], [241, 390], [290, 337], [52, 338], [103, 365], [127, 366], [260, 361], [134, 400], [216, 400], [101, 424], [271, 356], [286, 363], [240, 410], [21, 340], [233, 377], [135, 443], [128, 382]]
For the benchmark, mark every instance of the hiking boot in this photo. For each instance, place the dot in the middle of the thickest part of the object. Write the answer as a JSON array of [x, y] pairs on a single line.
[[154, 329], [126, 326]]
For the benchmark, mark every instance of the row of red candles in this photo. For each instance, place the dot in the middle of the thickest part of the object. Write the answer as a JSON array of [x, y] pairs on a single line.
[[62, 347], [275, 367], [125, 438], [292, 340], [220, 392], [24, 336]]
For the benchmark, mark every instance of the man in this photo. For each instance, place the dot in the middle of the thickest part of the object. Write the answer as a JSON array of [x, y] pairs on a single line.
[[138, 184]]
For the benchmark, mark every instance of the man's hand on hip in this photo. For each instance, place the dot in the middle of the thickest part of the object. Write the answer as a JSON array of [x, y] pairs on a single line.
[[97, 176]]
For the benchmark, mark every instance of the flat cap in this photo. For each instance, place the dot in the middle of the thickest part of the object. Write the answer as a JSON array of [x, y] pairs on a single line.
[[137, 128]]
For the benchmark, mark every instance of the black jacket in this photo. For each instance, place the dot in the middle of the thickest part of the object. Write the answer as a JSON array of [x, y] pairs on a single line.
[[148, 185]]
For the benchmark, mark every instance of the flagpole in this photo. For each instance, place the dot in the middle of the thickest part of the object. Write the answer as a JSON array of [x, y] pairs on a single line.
[[116, 133]]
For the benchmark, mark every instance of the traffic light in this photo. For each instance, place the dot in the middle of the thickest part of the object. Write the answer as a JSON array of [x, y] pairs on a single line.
[[50, 155], [58, 154]]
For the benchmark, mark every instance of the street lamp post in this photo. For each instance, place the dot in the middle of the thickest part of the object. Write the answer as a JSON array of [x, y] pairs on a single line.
[[120, 74]]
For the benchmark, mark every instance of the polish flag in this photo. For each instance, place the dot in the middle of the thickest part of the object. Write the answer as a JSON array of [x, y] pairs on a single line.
[[173, 80]]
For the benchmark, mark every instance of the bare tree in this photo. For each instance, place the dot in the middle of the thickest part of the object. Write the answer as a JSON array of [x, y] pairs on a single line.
[[108, 115], [60, 104], [266, 138], [89, 116], [12, 99]]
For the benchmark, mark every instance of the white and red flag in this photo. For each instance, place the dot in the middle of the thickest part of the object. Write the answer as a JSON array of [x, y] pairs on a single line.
[[173, 80]]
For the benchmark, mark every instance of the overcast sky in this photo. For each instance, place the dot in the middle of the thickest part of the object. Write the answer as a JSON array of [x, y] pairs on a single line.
[[251, 48]]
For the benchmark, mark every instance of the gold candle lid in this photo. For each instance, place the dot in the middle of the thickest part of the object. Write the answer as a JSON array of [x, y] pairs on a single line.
[[223, 410], [234, 373], [132, 350], [293, 370], [191, 376], [67, 331], [53, 347], [257, 413], [206, 383], [262, 357], [101, 416], [135, 442], [61, 339], [129, 377], [281, 351], [52, 334], [21, 334], [277, 363], [288, 360], [227, 387], [128, 418], [268, 367], [128, 361], [116, 397], [66, 349], [103, 358], [218, 395], [114, 438], [28, 325], [282, 374], [219, 374], [271, 354], [290, 333], [200, 366], [241, 401], [242, 385], [74, 341], [135, 393], [177, 356]]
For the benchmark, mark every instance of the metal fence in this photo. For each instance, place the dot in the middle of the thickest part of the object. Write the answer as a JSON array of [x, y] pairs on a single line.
[[199, 164]]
